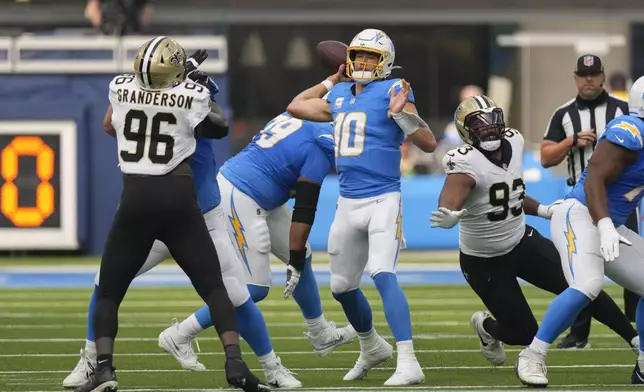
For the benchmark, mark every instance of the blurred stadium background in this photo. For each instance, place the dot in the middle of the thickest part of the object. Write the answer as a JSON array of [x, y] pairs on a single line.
[[60, 184]]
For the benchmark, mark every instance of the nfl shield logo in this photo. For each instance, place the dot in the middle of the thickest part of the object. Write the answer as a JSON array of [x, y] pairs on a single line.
[[589, 61]]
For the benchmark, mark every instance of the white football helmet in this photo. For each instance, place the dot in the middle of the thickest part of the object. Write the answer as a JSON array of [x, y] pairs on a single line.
[[636, 99], [372, 41]]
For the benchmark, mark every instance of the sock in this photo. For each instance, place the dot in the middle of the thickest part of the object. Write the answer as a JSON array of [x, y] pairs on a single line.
[[104, 360], [357, 309], [639, 322], [539, 346], [317, 325], [264, 359], [191, 327], [635, 342], [368, 338], [405, 350], [257, 293], [202, 316], [90, 348], [606, 311], [561, 313], [90, 316], [252, 327], [395, 305], [306, 294]]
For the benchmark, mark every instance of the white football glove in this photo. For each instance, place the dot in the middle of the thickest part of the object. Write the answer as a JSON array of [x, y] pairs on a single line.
[[446, 218], [609, 239], [292, 279], [546, 211]]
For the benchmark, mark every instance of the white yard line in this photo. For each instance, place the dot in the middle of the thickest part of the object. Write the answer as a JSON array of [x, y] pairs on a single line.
[[337, 352]]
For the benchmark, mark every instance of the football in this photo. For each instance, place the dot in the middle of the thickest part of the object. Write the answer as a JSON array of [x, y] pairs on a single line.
[[333, 54]]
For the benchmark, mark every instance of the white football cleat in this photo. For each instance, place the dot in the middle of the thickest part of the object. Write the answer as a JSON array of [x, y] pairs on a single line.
[[331, 338], [369, 358], [278, 376], [491, 348], [80, 375], [531, 368], [407, 373], [180, 347]]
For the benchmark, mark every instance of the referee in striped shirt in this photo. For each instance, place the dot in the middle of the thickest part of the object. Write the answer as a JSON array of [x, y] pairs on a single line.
[[572, 134]]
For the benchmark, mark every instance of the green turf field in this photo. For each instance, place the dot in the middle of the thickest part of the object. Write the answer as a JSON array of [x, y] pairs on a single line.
[[41, 332]]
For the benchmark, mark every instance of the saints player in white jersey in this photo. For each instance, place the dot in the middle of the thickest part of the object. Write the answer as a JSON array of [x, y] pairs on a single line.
[[155, 115], [485, 192]]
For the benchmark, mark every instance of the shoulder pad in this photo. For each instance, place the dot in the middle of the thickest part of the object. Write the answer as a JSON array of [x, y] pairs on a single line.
[[124, 80], [460, 160]]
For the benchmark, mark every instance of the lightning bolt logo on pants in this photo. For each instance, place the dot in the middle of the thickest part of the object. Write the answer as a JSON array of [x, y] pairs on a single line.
[[572, 241], [238, 232]]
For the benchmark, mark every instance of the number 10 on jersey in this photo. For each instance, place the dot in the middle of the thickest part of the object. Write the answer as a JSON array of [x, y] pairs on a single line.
[[350, 133]]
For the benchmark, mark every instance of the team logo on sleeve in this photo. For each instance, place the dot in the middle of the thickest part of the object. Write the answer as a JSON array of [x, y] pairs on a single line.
[[630, 128]]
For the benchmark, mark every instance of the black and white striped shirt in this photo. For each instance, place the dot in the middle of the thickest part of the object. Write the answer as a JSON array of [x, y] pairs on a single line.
[[579, 115]]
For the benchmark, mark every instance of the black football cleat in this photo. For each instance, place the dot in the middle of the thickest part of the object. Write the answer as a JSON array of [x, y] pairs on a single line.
[[239, 375], [638, 377], [572, 342], [103, 379]]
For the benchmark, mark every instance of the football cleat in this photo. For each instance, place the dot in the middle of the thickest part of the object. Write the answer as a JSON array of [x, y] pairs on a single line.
[[180, 347], [369, 358], [81, 373], [407, 373], [278, 376], [571, 342], [102, 379], [637, 377], [331, 338], [491, 348], [531, 369]]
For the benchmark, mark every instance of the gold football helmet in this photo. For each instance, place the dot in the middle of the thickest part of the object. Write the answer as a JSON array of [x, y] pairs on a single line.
[[480, 122], [160, 64]]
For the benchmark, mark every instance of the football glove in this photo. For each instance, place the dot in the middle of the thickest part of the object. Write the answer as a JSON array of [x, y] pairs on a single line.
[[546, 211], [446, 218], [203, 79], [194, 61], [239, 376], [296, 264], [609, 239]]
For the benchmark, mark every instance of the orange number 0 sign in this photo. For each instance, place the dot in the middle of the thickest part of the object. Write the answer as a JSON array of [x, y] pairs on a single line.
[[27, 216]]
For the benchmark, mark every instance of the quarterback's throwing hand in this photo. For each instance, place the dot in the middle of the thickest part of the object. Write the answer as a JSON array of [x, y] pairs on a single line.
[[446, 218], [292, 279]]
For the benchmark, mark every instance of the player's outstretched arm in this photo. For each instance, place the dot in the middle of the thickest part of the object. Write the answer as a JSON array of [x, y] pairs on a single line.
[[606, 164], [307, 194], [533, 207], [107, 122], [309, 104], [406, 116], [215, 125], [451, 200]]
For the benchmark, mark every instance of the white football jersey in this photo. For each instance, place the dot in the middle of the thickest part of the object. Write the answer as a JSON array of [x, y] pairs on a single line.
[[155, 129], [495, 222]]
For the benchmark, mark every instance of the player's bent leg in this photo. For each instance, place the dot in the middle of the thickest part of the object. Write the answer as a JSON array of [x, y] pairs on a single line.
[[324, 335], [87, 362], [385, 238], [348, 254], [576, 239], [250, 322]]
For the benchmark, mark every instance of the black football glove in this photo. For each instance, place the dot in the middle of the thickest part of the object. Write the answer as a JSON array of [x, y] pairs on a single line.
[[203, 79], [194, 61], [239, 376]]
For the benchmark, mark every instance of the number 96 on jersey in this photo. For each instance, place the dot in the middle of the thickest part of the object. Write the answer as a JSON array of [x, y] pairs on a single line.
[[38, 185]]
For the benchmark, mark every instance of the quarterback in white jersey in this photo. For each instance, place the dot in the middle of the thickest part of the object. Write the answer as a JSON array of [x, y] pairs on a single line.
[[155, 115], [485, 192]]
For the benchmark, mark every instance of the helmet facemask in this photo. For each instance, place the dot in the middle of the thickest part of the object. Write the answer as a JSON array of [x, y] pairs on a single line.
[[375, 70], [486, 128]]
